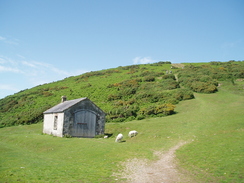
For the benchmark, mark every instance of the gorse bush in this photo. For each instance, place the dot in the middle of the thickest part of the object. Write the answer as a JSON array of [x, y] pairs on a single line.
[[165, 109], [205, 78], [169, 76], [203, 87], [149, 78], [169, 84], [183, 94]]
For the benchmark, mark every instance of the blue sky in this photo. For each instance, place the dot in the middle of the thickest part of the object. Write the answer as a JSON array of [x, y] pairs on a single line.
[[47, 40]]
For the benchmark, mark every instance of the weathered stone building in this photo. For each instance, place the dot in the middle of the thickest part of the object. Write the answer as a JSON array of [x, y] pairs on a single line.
[[76, 118]]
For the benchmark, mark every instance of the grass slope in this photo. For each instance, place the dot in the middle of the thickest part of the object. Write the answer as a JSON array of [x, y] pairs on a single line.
[[124, 93], [120, 92], [216, 153], [211, 123]]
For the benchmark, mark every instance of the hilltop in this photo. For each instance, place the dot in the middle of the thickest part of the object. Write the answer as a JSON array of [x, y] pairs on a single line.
[[124, 93]]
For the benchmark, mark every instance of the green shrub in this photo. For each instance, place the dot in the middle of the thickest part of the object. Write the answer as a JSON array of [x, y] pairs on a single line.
[[169, 84], [165, 109], [131, 118], [114, 97], [129, 67], [143, 95], [160, 63], [203, 87], [145, 73], [127, 91], [149, 79], [169, 76], [183, 94], [147, 110], [46, 93], [205, 78], [140, 117]]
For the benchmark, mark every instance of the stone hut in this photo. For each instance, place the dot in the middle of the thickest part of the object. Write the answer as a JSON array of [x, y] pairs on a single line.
[[76, 118]]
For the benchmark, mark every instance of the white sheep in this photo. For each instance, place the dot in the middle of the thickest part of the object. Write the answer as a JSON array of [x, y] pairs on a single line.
[[132, 133], [119, 137]]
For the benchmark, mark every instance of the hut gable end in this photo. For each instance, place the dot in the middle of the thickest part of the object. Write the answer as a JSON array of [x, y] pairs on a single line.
[[77, 118]]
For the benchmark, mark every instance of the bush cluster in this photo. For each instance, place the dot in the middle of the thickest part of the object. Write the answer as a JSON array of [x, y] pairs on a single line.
[[124, 93], [162, 102], [198, 80], [145, 95], [164, 109], [204, 78], [160, 63]]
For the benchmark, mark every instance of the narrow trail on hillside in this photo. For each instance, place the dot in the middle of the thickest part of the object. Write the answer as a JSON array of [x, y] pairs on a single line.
[[163, 170]]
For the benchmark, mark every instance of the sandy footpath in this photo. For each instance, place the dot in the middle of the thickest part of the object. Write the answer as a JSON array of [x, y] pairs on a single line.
[[163, 170]]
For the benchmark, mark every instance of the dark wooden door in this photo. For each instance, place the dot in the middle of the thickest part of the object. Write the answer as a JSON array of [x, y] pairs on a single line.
[[85, 123]]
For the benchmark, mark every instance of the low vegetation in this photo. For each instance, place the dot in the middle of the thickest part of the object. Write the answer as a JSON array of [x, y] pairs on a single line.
[[124, 93]]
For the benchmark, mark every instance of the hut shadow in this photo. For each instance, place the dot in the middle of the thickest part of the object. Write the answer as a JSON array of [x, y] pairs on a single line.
[[108, 134]]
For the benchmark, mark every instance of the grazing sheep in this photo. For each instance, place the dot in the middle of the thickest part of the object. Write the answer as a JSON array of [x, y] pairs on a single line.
[[119, 137], [132, 133]]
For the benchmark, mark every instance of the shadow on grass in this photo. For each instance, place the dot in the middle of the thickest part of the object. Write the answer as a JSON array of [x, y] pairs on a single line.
[[108, 134], [122, 141]]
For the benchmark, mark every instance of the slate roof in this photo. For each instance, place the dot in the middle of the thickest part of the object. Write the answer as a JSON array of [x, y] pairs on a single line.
[[63, 106]]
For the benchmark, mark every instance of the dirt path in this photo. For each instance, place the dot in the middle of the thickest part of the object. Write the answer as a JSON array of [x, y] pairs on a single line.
[[163, 170]]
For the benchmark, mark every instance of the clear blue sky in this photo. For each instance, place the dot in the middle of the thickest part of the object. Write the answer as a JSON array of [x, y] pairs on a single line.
[[47, 40]]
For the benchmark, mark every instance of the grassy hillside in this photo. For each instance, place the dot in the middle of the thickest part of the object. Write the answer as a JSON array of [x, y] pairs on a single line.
[[212, 124], [124, 93]]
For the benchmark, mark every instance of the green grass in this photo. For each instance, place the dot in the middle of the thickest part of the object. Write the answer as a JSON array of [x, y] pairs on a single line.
[[217, 150], [212, 124]]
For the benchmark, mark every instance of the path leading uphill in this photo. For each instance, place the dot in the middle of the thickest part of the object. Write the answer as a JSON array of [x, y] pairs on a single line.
[[163, 170]]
